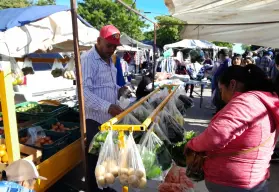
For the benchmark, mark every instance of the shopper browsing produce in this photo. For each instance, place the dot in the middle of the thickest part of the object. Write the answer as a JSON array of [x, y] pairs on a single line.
[[100, 88], [240, 138]]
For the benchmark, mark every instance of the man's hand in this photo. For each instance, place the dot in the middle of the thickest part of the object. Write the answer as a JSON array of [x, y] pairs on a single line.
[[115, 110], [124, 91]]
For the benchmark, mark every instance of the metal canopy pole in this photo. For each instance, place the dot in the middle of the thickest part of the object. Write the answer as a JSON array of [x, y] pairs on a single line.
[[79, 87]]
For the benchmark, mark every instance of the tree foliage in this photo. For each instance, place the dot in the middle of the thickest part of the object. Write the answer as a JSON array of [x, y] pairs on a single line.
[[223, 44], [168, 32], [102, 12], [5, 4], [246, 47]]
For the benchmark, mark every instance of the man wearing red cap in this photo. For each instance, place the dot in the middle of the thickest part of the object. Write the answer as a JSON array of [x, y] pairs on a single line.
[[100, 89]]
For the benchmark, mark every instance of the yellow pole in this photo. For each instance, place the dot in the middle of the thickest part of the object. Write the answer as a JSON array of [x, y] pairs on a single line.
[[9, 115], [121, 138]]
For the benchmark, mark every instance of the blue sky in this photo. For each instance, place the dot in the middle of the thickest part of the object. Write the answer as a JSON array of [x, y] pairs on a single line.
[[156, 7]]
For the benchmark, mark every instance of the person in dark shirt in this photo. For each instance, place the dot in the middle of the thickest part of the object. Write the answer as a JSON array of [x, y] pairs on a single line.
[[145, 85]]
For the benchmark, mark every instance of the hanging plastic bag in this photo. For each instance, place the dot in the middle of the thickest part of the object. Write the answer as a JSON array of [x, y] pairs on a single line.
[[57, 69], [172, 129], [129, 119], [34, 135], [176, 181], [131, 170], [147, 106], [182, 101], [97, 141], [17, 74], [149, 144], [141, 113], [171, 107], [69, 70], [107, 166], [124, 102], [27, 67]]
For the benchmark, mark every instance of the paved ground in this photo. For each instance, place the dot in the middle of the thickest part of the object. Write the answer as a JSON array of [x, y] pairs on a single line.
[[197, 119]]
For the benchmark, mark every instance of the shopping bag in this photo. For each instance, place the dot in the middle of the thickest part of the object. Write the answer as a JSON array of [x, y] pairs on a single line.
[[107, 166], [182, 101], [34, 135], [27, 67], [97, 141], [57, 69], [16, 73], [69, 73], [124, 102], [141, 113], [171, 107], [131, 172]]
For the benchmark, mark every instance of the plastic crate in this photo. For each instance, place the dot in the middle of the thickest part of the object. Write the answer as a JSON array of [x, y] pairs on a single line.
[[69, 116], [39, 111], [74, 128], [60, 140]]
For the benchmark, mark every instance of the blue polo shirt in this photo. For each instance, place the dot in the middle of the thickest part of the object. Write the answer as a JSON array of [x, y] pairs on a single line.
[[7, 186]]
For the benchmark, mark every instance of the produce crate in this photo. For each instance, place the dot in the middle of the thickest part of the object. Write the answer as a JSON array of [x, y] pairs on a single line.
[[38, 111], [60, 140], [74, 128], [69, 116], [26, 152]]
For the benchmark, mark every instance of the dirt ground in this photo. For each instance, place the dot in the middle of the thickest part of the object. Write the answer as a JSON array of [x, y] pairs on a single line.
[[197, 119]]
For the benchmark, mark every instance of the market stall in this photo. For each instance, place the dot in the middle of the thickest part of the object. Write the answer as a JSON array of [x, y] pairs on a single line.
[[54, 140]]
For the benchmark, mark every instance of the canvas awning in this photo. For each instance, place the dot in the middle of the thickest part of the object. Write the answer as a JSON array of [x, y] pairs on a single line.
[[52, 33], [236, 21], [126, 40]]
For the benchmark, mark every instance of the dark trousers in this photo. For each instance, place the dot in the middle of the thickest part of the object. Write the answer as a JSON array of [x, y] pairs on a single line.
[[91, 131], [192, 87]]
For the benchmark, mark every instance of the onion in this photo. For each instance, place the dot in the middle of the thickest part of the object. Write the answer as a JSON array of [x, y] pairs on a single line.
[[124, 171], [142, 183], [101, 181], [100, 171], [109, 178], [123, 179], [139, 173], [131, 171], [111, 163], [133, 180], [114, 170]]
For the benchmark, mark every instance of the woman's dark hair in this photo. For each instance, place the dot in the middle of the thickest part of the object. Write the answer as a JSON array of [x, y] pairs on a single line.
[[253, 78], [4, 176]]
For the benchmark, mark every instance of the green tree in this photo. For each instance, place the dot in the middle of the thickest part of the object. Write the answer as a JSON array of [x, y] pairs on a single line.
[[246, 47], [45, 2], [4, 4], [102, 12], [223, 44], [168, 31]]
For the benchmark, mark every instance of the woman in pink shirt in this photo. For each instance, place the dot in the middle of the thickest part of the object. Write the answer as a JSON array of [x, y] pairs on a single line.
[[249, 121]]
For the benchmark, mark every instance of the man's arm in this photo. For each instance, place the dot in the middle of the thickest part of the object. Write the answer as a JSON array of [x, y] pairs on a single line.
[[92, 100]]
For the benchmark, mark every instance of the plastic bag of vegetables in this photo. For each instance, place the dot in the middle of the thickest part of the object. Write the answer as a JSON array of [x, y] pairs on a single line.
[[131, 170], [172, 129], [141, 113], [57, 69], [147, 106], [182, 101], [107, 166], [27, 67], [148, 150], [171, 107], [97, 142]]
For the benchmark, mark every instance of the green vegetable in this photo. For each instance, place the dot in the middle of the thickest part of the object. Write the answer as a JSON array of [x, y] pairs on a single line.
[[148, 158], [154, 172]]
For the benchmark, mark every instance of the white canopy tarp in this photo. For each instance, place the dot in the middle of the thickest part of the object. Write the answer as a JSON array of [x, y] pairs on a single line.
[[126, 40], [191, 44], [236, 21], [127, 48], [50, 34]]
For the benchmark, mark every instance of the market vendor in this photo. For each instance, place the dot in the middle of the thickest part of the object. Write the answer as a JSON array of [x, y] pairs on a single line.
[[20, 176], [240, 139], [100, 89]]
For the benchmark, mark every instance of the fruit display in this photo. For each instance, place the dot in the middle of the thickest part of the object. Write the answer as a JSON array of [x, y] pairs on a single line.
[[27, 71], [57, 72], [59, 127], [69, 75], [3, 154], [17, 79], [35, 108], [41, 141], [28, 107]]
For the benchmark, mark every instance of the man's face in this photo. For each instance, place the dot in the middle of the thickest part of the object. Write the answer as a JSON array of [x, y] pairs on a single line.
[[105, 48]]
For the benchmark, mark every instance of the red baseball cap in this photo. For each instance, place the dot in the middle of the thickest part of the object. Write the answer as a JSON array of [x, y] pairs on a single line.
[[111, 34]]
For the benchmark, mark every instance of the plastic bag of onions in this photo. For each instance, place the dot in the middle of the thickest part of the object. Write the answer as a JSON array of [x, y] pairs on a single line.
[[131, 171], [107, 166]]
